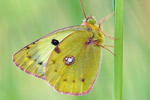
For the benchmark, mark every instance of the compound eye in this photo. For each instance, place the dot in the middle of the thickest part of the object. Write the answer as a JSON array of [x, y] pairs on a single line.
[[91, 21]]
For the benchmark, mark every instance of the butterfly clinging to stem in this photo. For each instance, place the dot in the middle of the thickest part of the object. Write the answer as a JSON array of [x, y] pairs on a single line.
[[68, 59]]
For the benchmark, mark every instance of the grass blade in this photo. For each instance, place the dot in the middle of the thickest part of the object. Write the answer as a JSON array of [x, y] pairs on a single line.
[[118, 50]]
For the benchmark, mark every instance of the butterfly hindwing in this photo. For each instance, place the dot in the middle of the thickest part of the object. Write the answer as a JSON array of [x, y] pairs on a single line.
[[33, 57], [73, 65]]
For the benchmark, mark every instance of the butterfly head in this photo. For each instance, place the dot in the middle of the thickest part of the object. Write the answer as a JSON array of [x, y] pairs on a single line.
[[89, 20]]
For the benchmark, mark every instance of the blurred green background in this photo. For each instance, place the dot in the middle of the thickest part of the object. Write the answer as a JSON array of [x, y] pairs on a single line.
[[24, 21]]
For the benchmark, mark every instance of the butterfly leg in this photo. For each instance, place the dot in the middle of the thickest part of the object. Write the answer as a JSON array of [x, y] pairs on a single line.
[[108, 46], [100, 23], [107, 49], [107, 35], [106, 18], [103, 46]]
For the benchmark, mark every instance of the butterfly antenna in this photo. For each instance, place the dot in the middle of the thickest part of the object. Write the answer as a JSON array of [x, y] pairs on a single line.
[[83, 9]]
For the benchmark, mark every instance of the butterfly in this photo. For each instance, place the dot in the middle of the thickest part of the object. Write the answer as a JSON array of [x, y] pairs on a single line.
[[68, 59]]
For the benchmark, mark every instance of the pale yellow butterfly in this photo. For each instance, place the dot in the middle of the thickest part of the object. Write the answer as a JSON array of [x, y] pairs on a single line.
[[68, 59]]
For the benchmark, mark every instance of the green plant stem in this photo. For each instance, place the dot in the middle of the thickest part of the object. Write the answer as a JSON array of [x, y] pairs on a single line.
[[118, 50]]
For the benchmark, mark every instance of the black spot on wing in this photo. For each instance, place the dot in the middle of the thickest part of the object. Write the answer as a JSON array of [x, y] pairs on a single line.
[[33, 43], [55, 70], [82, 80], [40, 63], [73, 81], [53, 61], [27, 47], [55, 42], [29, 57], [65, 80]]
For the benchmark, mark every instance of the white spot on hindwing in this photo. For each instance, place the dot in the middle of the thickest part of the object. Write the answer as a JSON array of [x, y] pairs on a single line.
[[68, 60]]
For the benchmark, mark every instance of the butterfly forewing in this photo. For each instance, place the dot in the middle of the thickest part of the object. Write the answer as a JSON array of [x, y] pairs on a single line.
[[73, 65], [33, 57]]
